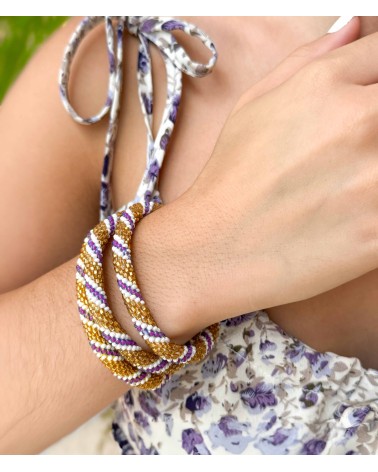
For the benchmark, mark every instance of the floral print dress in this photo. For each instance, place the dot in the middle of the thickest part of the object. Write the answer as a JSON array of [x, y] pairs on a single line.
[[260, 390]]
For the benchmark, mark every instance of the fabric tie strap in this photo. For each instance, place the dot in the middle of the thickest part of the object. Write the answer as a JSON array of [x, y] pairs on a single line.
[[157, 30]]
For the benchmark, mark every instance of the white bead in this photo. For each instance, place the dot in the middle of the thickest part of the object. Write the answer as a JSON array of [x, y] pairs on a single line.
[[110, 358], [143, 325], [142, 302]]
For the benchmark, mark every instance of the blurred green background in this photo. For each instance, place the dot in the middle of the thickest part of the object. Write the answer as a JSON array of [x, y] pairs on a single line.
[[19, 38]]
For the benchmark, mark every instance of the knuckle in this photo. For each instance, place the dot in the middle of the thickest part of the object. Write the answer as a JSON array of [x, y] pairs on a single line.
[[246, 97], [363, 207], [305, 51], [361, 113], [367, 236], [321, 72]]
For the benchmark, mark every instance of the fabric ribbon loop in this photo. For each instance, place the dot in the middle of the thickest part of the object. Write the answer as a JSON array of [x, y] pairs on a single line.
[[82, 30], [157, 30]]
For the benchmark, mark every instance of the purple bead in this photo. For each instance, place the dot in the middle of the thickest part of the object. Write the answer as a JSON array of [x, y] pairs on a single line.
[[94, 248], [129, 219], [129, 289], [80, 270], [112, 224]]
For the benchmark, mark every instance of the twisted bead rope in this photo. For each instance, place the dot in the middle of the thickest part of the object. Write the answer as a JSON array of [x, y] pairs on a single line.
[[193, 351], [112, 345], [157, 30]]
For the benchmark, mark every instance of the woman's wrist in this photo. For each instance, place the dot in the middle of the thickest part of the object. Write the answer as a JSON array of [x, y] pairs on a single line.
[[161, 252], [163, 264], [185, 283]]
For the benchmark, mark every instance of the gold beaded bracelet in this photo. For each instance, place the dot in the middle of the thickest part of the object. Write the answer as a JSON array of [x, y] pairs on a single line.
[[112, 345]]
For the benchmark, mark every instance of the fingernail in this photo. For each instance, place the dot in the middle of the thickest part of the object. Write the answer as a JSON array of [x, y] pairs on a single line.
[[340, 23]]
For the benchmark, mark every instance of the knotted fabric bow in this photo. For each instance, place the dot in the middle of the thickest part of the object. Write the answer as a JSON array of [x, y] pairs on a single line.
[[157, 30]]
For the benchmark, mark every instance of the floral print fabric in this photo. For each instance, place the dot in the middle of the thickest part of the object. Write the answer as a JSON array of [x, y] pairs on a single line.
[[156, 30], [260, 391]]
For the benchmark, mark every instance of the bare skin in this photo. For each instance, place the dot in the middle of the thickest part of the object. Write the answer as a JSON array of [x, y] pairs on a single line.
[[64, 164], [342, 320], [67, 158]]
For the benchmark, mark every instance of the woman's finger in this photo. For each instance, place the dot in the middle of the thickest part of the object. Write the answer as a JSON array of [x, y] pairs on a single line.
[[301, 57], [356, 61]]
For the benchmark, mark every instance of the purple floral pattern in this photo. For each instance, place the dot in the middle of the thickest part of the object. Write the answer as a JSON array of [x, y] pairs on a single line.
[[143, 64], [299, 402], [280, 442], [230, 434], [313, 447], [193, 443], [309, 395], [259, 397], [198, 404]]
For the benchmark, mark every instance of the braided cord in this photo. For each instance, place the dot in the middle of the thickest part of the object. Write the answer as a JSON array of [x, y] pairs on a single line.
[[112, 345], [193, 351]]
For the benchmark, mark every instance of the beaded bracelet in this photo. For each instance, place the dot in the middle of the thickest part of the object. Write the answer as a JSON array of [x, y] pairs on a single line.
[[195, 349], [112, 345]]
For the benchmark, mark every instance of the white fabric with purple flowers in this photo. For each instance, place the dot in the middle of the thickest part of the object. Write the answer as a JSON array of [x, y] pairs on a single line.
[[156, 30], [260, 391]]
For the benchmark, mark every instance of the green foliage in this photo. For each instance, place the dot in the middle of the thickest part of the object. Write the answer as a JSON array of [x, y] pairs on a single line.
[[19, 38]]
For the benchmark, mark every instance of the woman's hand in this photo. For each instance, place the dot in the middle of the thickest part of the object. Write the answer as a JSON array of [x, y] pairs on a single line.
[[287, 205]]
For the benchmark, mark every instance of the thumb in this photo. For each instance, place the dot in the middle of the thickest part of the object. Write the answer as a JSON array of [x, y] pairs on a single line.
[[302, 56]]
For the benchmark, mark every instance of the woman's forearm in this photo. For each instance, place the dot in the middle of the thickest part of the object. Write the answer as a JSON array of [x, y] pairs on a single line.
[[51, 380]]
